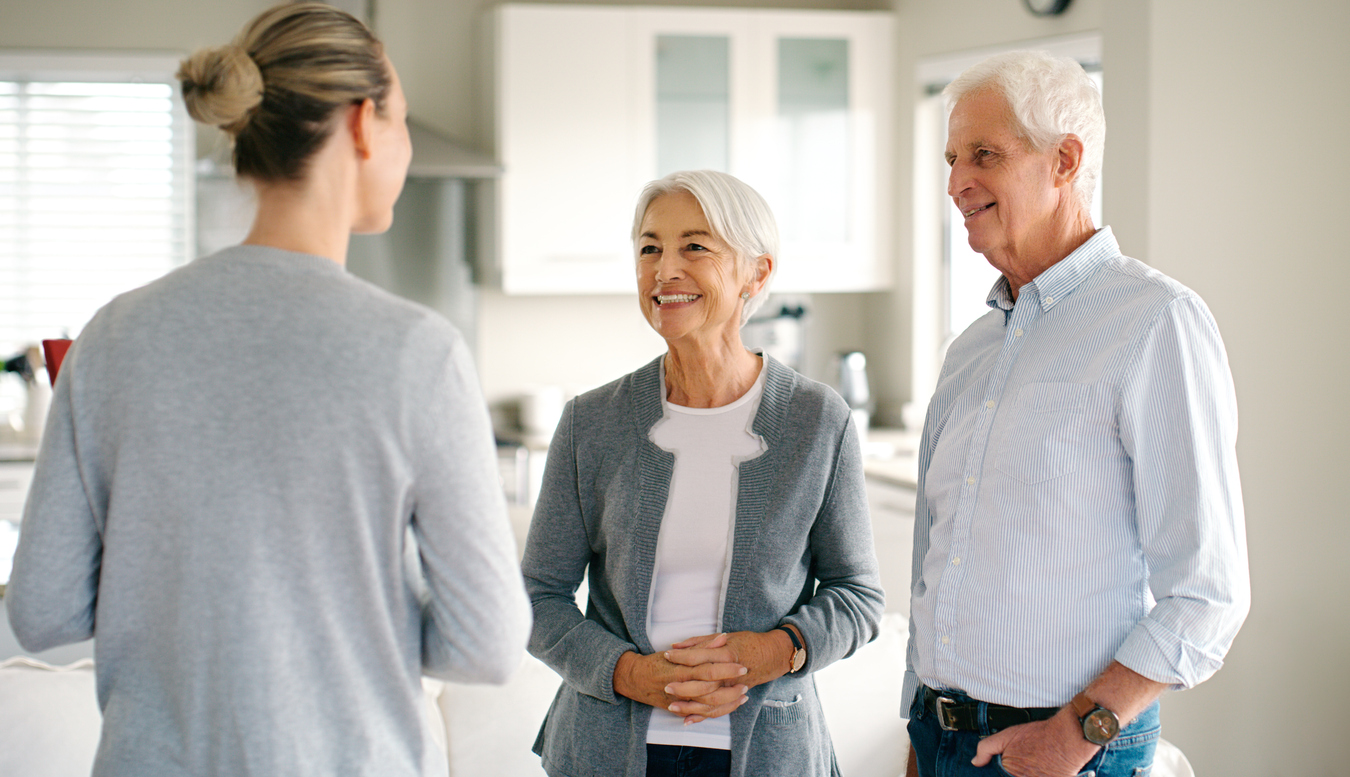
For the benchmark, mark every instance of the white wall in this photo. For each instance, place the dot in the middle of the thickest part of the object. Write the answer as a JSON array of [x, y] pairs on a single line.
[[1243, 206], [157, 25], [1226, 162]]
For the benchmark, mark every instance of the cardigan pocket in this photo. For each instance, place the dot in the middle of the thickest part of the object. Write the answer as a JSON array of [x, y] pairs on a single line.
[[789, 738], [779, 706], [781, 711]]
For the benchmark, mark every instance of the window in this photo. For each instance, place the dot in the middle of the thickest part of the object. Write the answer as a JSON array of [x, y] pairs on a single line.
[[95, 187]]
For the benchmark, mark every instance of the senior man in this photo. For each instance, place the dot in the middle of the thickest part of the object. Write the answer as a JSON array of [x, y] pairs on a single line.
[[1079, 539]]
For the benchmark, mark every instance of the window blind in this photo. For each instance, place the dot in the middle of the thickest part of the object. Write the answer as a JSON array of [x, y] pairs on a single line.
[[95, 187]]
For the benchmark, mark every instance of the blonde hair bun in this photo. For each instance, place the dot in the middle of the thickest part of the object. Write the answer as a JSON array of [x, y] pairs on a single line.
[[221, 86], [311, 59]]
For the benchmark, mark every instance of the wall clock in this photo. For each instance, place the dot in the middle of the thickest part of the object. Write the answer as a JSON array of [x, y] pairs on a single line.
[[1046, 7]]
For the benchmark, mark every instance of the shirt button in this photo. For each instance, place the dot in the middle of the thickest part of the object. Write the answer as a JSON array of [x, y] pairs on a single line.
[[956, 561], [1049, 300], [946, 640], [989, 404], [970, 481], [1017, 332]]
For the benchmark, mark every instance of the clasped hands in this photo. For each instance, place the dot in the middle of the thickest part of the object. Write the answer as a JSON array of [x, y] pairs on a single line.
[[703, 677]]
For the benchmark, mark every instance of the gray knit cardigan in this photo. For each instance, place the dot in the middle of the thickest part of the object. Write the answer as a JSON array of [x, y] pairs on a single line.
[[802, 553]]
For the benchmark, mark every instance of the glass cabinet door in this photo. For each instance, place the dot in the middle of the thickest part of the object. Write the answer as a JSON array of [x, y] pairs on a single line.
[[811, 185], [693, 103], [813, 121]]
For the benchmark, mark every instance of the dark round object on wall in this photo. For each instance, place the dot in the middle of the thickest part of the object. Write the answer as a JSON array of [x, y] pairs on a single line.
[[1046, 7]]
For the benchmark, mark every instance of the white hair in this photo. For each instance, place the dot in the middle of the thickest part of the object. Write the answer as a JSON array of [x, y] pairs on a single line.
[[1050, 97], [737, 214]]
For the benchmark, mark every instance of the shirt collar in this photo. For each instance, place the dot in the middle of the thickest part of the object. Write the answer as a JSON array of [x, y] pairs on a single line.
[[1062, 277]]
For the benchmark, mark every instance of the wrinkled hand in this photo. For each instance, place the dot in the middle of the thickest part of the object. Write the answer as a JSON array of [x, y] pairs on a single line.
[[1047, 748], [766, 655], [697, 691], [763, 656]]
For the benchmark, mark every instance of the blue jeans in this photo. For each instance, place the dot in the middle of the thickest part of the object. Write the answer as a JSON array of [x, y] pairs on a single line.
[[683, 761], [948, 753]]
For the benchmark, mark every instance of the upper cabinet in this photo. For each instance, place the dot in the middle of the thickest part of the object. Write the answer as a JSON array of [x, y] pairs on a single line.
[[592, 102]]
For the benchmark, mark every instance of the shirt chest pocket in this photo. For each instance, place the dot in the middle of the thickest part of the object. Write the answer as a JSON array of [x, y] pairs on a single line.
[[1043, 437]]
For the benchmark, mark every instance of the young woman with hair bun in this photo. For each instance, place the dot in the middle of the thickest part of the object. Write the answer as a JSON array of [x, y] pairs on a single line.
[[266, 487]]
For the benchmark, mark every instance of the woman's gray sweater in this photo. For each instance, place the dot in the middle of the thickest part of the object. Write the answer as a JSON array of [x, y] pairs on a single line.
[[233, 459], [802, 553]]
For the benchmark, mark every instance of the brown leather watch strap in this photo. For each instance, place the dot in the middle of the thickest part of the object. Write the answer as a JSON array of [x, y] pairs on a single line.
[[1082, 705]]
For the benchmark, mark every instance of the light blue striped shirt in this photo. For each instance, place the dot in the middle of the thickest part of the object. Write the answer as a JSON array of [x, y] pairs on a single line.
[[1078, 494]]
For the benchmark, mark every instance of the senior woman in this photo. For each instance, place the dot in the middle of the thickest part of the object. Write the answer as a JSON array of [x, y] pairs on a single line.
[[714, 501]]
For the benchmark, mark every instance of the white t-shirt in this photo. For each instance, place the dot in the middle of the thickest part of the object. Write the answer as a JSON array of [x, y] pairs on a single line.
[[693, 548]]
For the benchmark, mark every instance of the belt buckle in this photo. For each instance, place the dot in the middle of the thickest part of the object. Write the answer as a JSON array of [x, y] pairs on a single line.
[[941, 707]]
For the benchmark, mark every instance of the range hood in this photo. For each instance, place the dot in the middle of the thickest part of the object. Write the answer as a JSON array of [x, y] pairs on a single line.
[[435, 156]]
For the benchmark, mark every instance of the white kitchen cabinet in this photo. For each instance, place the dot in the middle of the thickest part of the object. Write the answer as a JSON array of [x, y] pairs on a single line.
[[591, 102]]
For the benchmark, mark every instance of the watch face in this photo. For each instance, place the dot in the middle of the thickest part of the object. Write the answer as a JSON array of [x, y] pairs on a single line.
[[1101, 726], [798, 659]]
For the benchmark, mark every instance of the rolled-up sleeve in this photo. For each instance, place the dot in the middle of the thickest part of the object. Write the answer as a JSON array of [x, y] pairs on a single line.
[[1178, 423]]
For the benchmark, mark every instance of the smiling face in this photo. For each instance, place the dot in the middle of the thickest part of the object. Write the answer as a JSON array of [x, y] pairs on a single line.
[[1008, 193], [689, 280]]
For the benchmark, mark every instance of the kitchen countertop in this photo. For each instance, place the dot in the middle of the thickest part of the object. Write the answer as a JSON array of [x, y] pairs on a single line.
[[18, 451], [891, 456]]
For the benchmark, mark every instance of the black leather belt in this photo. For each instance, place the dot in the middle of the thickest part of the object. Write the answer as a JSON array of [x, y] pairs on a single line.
[[955, 715]]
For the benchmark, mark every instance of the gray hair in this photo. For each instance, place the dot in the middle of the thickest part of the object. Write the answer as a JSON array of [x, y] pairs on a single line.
[[736, 213], [1050, 97]]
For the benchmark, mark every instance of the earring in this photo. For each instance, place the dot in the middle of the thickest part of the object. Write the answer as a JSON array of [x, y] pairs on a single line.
[[745, 295]]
